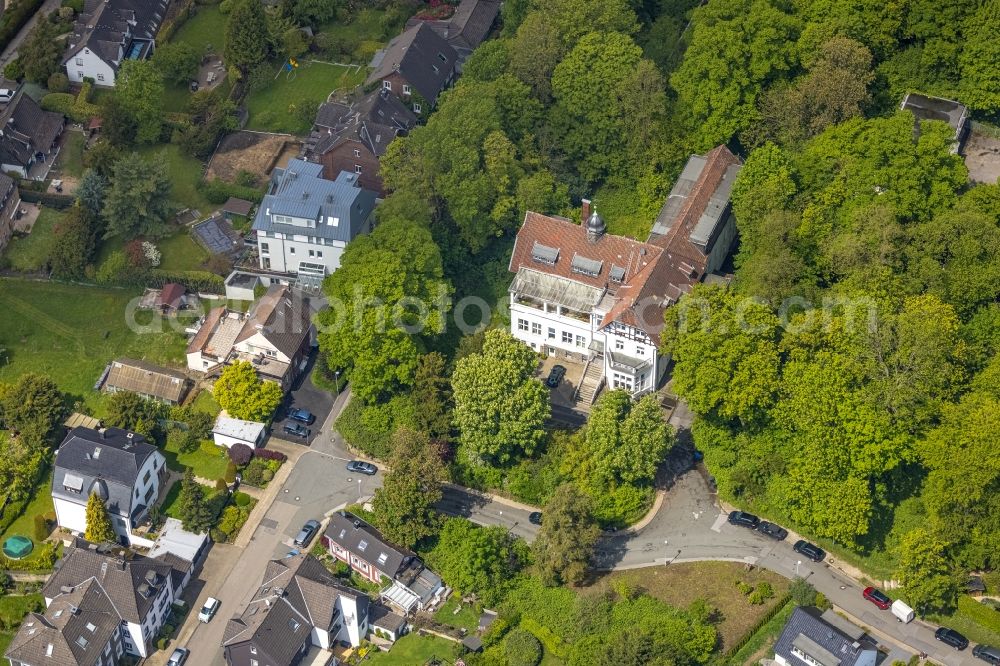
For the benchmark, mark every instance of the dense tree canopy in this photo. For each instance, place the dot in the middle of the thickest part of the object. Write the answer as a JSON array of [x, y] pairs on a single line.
[[139, 92], [478, 560], [138, 203], [566, 540], [404, 505], [240, 392]]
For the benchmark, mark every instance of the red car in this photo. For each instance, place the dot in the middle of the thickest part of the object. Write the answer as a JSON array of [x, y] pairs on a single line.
[[877, 597]]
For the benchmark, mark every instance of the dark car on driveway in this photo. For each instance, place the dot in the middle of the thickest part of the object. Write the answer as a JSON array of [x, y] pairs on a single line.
[[361, 467], [877, 597], [555, 377], [535, 517], [301, 415], [814, 553], [296, 430], [776, 532], [307, 532], [952, 638], [744, 519]]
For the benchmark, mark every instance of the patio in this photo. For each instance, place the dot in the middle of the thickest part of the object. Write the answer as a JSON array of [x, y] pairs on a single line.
[[563, 394]]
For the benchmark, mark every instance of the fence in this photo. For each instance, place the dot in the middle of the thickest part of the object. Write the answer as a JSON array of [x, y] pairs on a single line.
[[777, 608]]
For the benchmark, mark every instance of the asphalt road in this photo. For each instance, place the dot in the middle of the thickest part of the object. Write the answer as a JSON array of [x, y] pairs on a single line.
[[10, 51]]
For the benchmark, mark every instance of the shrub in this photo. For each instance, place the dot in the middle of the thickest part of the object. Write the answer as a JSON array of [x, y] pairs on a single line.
[[41, 528], [257, 473], [269, 454], [217, 535], [240, 454], [803, 594], [14, 70], [762, 593], [230, 472], [744, 587], [10, 513], [221, 485], [522, 648], [822, 602], [229, 522], [161, 643], [241, 499], [267, 475], [218, 191], [58, 82]]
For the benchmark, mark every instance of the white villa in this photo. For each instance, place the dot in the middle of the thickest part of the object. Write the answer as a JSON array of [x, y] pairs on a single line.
[[586, 295]]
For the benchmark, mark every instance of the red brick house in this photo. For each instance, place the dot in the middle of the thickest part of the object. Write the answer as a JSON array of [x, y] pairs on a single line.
[[415, 67]]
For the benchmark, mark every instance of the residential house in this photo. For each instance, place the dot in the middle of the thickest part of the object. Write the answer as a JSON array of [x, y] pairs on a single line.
[[354, 137], [415, 66], [120, 467], [29, 137], [813, 639], [10, 201], [79, 628], [228, 432], [305, 221], [468, 26], [109, 32], [583, 294], [277, 336], [149, 380], [408, 583], [299, 604], [925, 107], [140, 590], [172, 297]]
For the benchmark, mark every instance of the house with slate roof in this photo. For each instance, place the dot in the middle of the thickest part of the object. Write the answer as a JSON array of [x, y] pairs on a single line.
[[813, 639], [408, 584], [468, 26], [119, 466], [415, 66], [29, 137], [135, 593], [305, 220], [354, 137], [582, 294], [80, 628], [299, 604], [108, 32]]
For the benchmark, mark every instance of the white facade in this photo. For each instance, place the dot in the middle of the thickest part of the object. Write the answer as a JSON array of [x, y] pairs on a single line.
[[229, 431], [285, 253], [71, 515], [87, 64], [354, 629]]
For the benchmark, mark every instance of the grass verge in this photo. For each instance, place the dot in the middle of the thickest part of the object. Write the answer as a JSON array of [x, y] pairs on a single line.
[[415, 649], [31, 253]]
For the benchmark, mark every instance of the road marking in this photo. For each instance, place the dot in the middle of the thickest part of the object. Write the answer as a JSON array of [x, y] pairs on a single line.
[[719, 522]]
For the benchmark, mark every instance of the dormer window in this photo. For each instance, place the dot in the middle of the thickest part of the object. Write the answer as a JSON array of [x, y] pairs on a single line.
[[617, 273], [387, 85], [362, 546], [406, 89], [442, 57], [544, 254], [585, 266]]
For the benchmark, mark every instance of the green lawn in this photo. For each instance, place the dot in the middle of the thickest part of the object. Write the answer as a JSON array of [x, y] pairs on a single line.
[[71, 332], [208, 461], [181, 252], [12, 611], [204, 29], [184, 171], [205, 402], [467, 618], [70, 160], [31, 253], [415, 649], [357, 37], [272, 108], [40, 504], [169, 507]]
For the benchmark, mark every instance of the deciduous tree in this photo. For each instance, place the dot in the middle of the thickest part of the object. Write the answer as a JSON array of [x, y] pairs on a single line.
[[99, 529], [566, 539], [626, 440], [177, 61], [240, 392], [131, 411], [139, 91], [930, 584], [483, 561]]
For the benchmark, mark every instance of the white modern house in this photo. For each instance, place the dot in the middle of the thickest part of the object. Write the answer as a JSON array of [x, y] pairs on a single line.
[[108, 32], [118, 466], [140, 589], [582, 294], [229, 431], [305, 221]]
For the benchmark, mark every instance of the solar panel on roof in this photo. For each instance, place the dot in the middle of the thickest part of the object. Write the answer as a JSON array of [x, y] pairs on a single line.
[[617, 273], [585, 266], [544, 254]]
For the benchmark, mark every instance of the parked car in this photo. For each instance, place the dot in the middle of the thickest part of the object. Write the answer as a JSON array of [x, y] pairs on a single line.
[[296, 430], [814, 553], [952, 638], [744, 519], [209, 610], [877, 597], [535, 517], [776, 532], [555, 377], [362, 467], [306, 534], [178, 657], [301, 415], [987, 653]]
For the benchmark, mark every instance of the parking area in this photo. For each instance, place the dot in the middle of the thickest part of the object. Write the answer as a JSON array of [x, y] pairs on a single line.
[[304, 395], [562, 395]]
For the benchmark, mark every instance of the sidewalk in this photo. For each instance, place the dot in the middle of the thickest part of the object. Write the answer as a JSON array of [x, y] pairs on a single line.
[[266, 497]]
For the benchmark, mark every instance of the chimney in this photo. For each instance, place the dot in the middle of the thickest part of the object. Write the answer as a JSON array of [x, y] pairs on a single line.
[[584, 211], [357, 524]]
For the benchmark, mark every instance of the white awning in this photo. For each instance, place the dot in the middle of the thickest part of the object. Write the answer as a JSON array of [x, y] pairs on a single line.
[[400, 597]]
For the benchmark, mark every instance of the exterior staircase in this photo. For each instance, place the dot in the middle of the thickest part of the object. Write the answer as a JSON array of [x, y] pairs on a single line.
[[590, 384]]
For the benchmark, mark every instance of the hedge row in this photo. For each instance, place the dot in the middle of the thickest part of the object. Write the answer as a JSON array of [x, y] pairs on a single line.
[[218, 192], [170, 27], [196, 281], [54, 200], [77, 108], [11, 511], [736, 647], [42, 559], [268, 454], [14, 19], [979, 613]]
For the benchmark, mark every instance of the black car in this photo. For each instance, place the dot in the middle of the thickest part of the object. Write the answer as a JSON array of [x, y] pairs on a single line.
[[556, 375], [952, 638], [814, 553], [301, 415], [296, 429], [987, 653], [361, 467], [307, 532], [535, 517], [744, 519], [776, 532]]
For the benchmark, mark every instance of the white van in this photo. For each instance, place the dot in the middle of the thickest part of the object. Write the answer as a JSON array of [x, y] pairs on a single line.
[[902, 612]]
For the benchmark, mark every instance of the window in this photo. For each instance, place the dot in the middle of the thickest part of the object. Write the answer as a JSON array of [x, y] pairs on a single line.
[[581, 341], [620, 381], [264, 249], [522, 324], [640, 350], [100, 77], [79, 62], [291, 250], [362, 546], [536, 328], [253, 662], [441, 56], [567, 337], [435, 68], [619, 344], [552, 333], [406, 89], [147, 477], [253, 650], [79, 74], [149, 495], [357, 153], [417, 108], [319, 253], [357, 168], [311, 253], [387, 85]]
